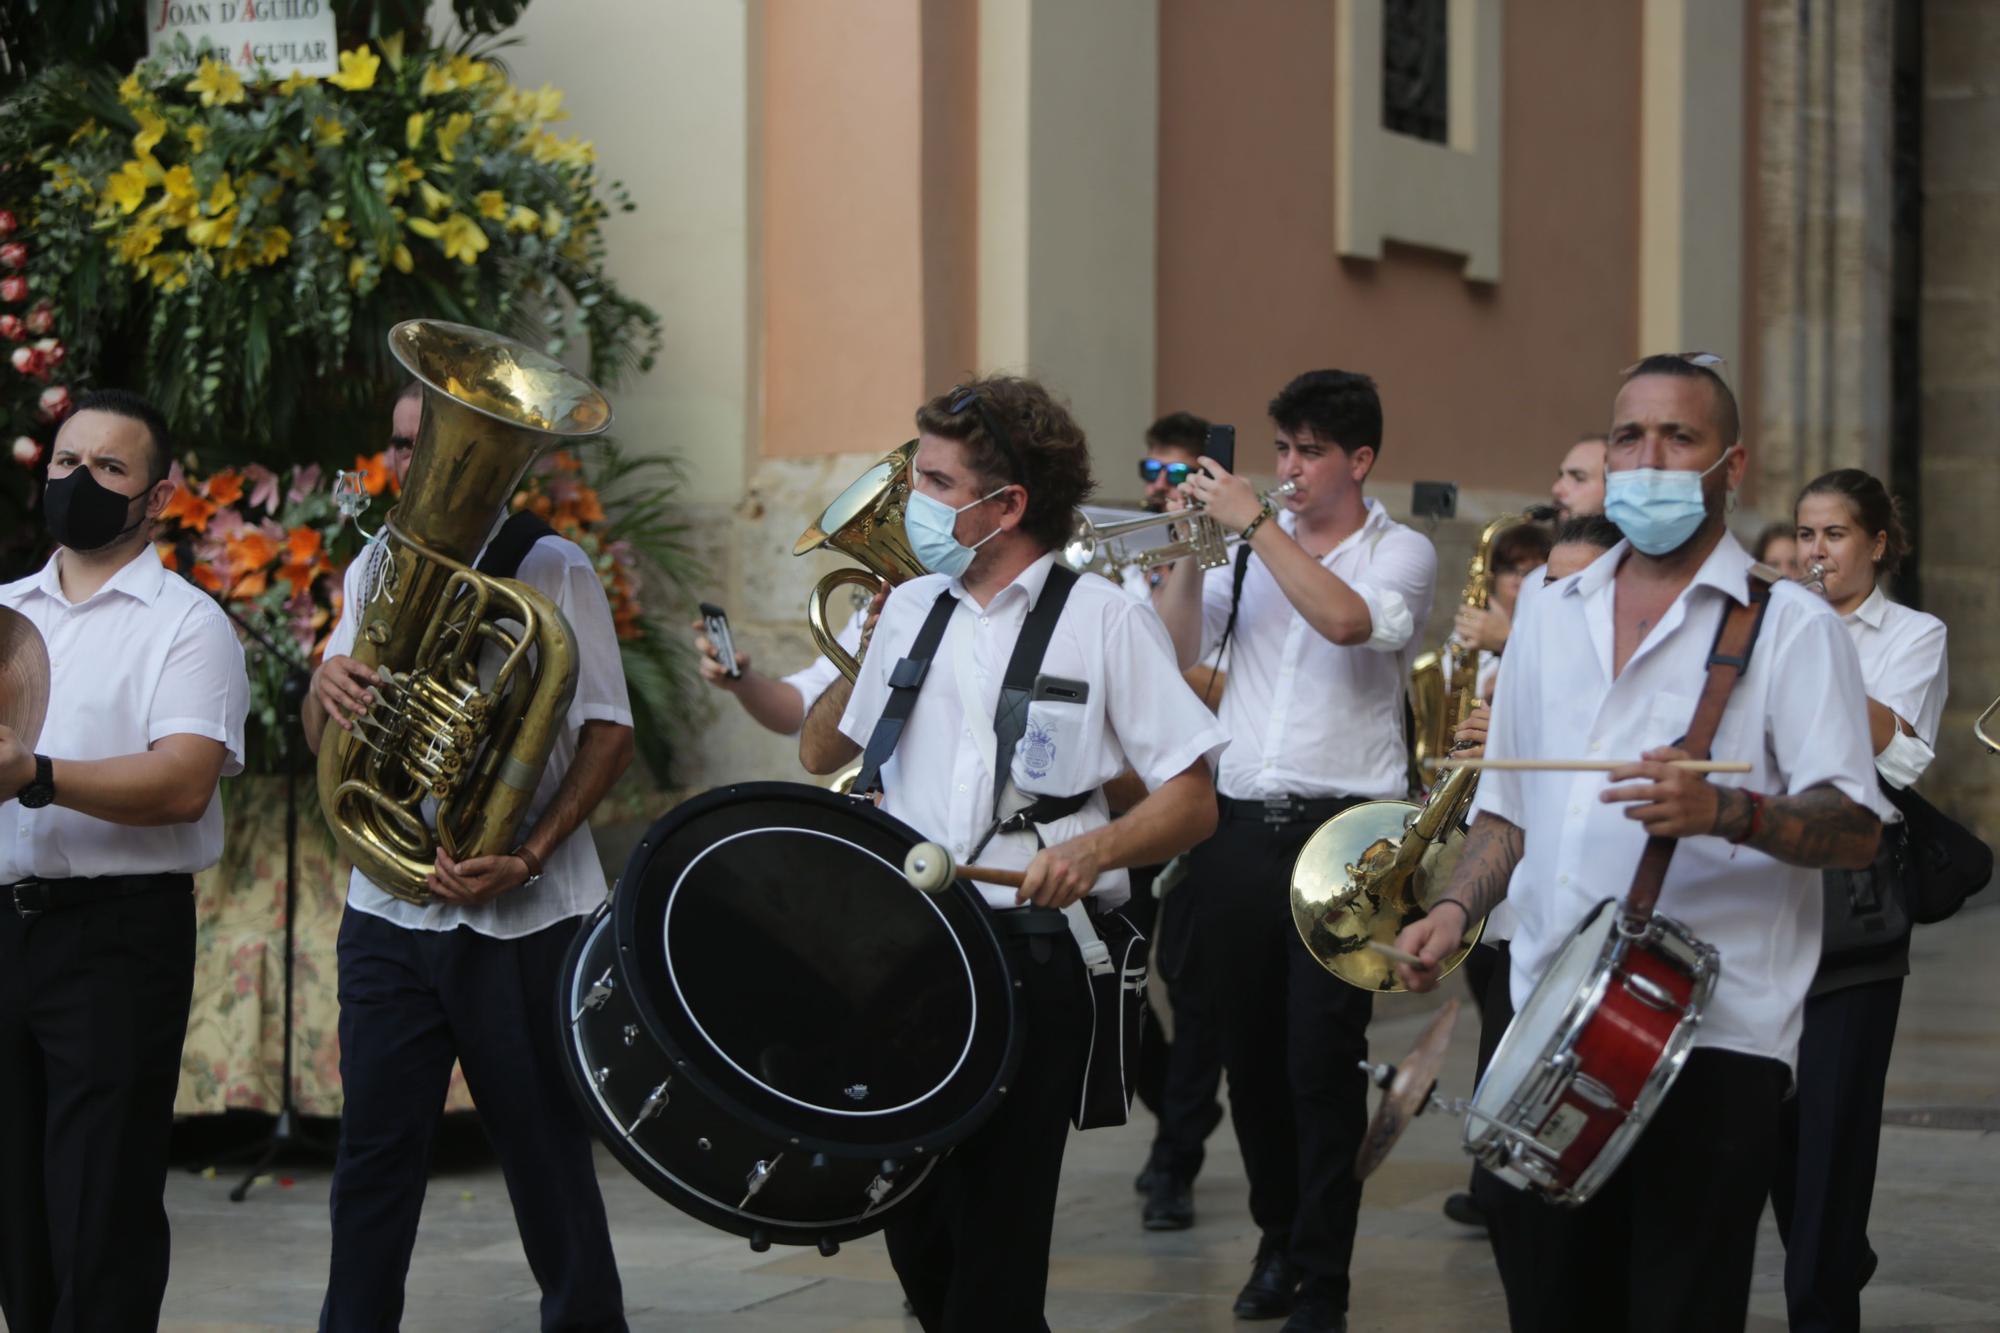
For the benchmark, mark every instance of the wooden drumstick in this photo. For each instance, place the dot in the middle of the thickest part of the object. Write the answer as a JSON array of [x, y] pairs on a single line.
[[1395, 955], [1589, 765], [929, 867]]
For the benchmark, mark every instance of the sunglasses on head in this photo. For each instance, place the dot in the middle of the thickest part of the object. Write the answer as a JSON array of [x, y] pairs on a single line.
[[1150, 470], [962, 398]]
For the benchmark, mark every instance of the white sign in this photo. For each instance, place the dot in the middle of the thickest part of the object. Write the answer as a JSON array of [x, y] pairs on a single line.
[[280, 35]]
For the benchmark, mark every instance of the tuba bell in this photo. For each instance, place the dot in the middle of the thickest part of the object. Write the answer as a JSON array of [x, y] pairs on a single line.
[[864, 521], [447, 756]]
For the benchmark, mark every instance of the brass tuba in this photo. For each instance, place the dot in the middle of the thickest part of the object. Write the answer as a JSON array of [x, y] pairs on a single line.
[[866, 522], [439, 730]]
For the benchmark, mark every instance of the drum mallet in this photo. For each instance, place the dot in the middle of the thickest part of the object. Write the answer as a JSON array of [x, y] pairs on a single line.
[[929, 867]]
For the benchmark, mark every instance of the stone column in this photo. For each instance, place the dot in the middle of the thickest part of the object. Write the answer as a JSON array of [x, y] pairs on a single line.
[[1959, 462]]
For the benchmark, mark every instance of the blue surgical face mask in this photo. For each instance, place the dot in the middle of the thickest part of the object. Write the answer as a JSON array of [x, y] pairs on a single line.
[[1656, 508], [933, 528]]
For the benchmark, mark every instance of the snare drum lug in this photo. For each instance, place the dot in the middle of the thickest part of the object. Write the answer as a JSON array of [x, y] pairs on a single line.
[[828, 1246], [1594, 1092], [1649, 992], [760, 1176], [601, 1075], [656, 1102], [760, 1240], [600, 991], [631, 1034]]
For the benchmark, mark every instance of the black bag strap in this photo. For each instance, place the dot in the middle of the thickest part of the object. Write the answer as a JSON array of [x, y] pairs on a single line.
[[1728, 659], [1010, 713], [1242, 572], [510, 546], [905, 679]]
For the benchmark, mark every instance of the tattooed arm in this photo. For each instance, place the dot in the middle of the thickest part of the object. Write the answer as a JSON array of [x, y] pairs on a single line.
[[1820, 828], [1478, 882]]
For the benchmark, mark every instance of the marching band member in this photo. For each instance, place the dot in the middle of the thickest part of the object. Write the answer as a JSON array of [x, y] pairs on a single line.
[[1000, 468], [1579, 485], [1319, 611], [1847, 526], [100, 838], [779, 704], [470, 978], [1607, 664]]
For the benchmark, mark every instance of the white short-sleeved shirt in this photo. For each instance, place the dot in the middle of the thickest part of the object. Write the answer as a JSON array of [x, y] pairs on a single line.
[[1139, 713], [1305, 716], [1798, 716], [1903, 667], [813, 679], [572, 882], [146, 656]]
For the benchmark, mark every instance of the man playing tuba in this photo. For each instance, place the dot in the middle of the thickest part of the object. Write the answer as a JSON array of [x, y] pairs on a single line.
[[468, 975]]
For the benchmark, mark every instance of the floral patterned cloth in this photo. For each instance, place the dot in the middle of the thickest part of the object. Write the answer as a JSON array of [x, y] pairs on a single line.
[[234, 1056]]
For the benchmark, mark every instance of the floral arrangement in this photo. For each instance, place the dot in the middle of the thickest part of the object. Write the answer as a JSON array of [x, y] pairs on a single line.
[[251, 241], [272, 549]]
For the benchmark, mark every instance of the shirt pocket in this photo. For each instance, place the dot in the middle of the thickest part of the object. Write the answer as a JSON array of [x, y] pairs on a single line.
[[1667, 719], [1049, 760]]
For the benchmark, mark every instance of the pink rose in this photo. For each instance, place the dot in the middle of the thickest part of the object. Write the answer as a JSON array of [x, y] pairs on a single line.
[[52, 349], [27, 450], [25, 360], [12, 329], [8, 222], [41, 318], [55, 403], [13, 288], [14, 254]]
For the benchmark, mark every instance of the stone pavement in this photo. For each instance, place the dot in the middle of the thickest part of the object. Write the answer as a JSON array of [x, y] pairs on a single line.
[[259, 1265]]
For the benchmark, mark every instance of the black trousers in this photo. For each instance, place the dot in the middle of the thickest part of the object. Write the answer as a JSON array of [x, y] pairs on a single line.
[[1488, 974], [1668, 1243], [1293, 1036], [93, 1012], [1189, 1101], [410, 1002], [1829, 1136], [973, 1251]]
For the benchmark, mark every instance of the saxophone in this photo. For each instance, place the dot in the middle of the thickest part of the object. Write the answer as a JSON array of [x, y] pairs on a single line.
[[448, 756]]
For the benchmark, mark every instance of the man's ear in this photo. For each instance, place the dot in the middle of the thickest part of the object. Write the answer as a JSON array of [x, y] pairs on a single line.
[[1360, 463], [156, 498], [1013, 505]]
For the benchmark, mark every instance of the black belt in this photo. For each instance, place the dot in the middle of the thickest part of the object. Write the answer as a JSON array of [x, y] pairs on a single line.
[[1033, 920], [32, 897], [1282, 809]]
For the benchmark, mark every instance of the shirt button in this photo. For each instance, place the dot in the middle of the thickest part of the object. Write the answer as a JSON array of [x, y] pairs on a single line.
[[961, 786], [1595, 746], [1576, 809], [1562, 879]]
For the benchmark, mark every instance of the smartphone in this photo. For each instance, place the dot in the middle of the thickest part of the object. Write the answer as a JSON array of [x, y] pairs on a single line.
[[715, 622], [1434, 499], [1060, 690], [1221, 446]]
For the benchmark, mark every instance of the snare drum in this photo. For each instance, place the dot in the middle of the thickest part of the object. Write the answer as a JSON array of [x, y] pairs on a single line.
[[774, 1031], [1590, 1056]]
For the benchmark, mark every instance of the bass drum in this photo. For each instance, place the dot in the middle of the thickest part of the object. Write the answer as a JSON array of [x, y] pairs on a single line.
[[775, 1032]]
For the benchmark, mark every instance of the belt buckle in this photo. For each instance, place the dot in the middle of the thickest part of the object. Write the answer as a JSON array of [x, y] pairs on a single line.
[[23, 901], [1280, 809]]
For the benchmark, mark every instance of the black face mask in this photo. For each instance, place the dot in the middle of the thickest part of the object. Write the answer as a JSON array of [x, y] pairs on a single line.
[[85, 515]]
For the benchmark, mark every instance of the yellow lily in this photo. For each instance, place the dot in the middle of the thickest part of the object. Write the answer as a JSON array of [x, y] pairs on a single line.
[[356, 268], [400, 178], [137, 241], [492, 204], [328, 131], [402, 259], [448, 135], [413, 129], [197, 138], [463, 239], [126, 187], [435, 200], [218, 84], [152, 129], [339, 231], [296, 81], [357, 70]]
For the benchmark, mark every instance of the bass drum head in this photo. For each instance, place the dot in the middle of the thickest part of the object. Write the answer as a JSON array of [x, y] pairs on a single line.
[[779, 957], [689, 1150]]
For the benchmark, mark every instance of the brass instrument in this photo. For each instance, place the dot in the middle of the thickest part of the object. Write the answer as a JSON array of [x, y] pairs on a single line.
[[866, 522], [1979, 728], [1096, 546], [1373, 869], [1444, 686], [1814, 579], [438, 730], [24, 677]]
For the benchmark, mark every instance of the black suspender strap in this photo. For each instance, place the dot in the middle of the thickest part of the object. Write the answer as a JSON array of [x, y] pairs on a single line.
[[510, 546], [1242, 572], [905, 679], [1010, 714]]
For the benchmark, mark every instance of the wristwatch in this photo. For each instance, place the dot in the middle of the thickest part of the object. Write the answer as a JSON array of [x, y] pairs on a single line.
[[42, 790], [530, 860]]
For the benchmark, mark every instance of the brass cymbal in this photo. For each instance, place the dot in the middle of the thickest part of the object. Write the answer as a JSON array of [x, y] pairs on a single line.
[[1364, 876], [24, 676], [1408, 1091]]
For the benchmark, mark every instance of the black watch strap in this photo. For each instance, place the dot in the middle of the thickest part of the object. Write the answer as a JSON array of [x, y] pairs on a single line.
[[42, 789]]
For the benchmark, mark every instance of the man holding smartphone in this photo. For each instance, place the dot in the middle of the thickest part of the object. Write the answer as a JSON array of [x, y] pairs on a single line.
[[999, 469], [1319, 607]]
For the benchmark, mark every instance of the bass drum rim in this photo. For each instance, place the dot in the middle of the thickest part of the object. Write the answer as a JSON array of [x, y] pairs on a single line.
[[795, 1130], [659, 1176]]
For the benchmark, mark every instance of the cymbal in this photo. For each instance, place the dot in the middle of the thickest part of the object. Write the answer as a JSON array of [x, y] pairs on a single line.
[[1408, 1092], [24, 676]]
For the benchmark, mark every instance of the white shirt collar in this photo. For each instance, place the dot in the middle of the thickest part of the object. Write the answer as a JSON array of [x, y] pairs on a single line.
[[1378, 516], [1727, 570], [1873, 610], [141, 577], [1030, 581]]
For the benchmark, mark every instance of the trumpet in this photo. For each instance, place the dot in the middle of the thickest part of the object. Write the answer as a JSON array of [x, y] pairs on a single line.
[[1098, 546], [1814, 579]]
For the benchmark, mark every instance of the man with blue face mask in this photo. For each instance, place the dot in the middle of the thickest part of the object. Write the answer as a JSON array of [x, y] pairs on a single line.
[[1607, 664], [999, 470], [105, 819]]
